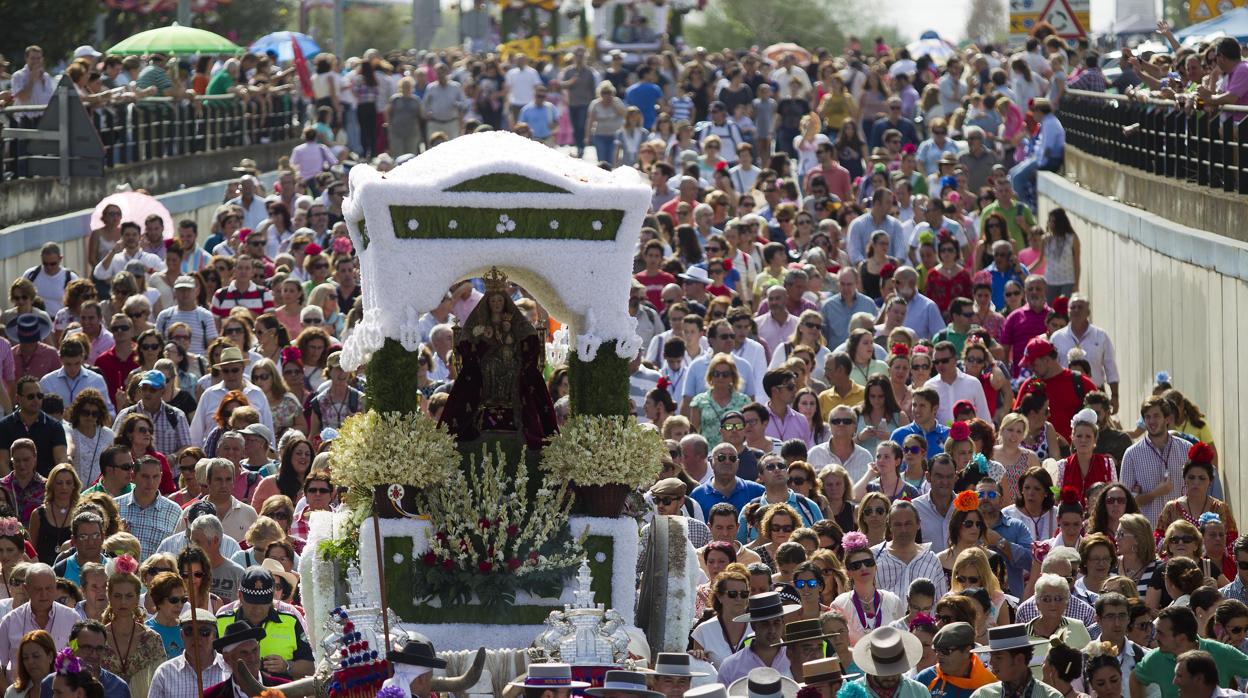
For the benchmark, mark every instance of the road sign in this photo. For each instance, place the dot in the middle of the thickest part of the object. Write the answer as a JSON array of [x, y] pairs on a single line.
[[1022, 23], [1201, 10], [1071, 18]]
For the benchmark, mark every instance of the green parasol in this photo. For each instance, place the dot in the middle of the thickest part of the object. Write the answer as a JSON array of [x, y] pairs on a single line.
[[176, 40]]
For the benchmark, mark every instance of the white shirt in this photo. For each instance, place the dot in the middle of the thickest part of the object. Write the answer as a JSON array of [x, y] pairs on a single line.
[[50, 287], [1098, 347], [521, 84], [176, 678], [211, 399], [895, 576], [856, 465], [153, 263], [963, 387], [253, 215]]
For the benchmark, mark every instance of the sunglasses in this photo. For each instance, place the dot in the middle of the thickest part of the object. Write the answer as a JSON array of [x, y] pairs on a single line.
[[664, 501], [914, 450], [203, 632], [143, 430], [318, 490], [119, 328], [798, 481], [874, 511], [721, 374], [150, 347], [234, 330], [136, 315], [1183, 539], [859, 564], [921, 367], [972, 523], [782, 528], [841, 421], [987, 494], [967, 581], [735, 426], [176, 600], [230, 371], [261, 376], [774, 466], [34, 396], [1115, 500], [725, 458], [279, 515], [736, 594], [806, 583], [944, 618], [197, 574], [946, 651], [942, 362], [1011, 294]]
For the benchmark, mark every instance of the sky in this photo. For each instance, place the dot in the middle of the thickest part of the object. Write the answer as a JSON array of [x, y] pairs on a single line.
[[948, 17]]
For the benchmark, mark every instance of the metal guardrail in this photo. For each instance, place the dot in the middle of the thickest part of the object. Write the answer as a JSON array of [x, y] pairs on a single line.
[[1160, 136], [159, 127]]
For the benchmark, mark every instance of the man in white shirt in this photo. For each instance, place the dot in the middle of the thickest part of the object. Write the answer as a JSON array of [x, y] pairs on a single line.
[[953, 385], [32, 86], [785, 75], [841, 449], [254, 210], [126, 250], [71, 378], [1096, 345], [50, 278], [521, 82], [230, 365]]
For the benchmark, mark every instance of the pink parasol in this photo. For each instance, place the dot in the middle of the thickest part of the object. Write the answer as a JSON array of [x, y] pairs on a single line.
[[134, 207]]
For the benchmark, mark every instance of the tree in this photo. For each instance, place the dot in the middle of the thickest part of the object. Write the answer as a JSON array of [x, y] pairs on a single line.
[[809, 23], [988, 21], [382, 27], [57, 27]]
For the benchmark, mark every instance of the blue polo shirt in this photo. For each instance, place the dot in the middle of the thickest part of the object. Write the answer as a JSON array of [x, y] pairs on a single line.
[[707, 496], [645, 96], [1020, 539], [935, 438]]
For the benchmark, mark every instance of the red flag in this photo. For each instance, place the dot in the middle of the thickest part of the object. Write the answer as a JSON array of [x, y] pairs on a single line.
[[301, 67]]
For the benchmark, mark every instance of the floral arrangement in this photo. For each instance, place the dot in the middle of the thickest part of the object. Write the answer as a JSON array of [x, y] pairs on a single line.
[[375, 448], [1040, 549], [966, 500], [1207, 518], [604, 450], [960, 431], [10, 526], [1070, 496], [1096, 649], [900, 349], [122, 565], [854, 540], [1200, 452], [921, 620], [494, 536], [66, 663]]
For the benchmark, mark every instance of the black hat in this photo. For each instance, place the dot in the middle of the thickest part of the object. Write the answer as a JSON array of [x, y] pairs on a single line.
[[416, 653], [766, 606], [236, 632], [257, 585], [198, 509]]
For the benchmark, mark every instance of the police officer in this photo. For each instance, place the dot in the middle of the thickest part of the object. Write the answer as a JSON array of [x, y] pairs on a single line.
[[284, 649]]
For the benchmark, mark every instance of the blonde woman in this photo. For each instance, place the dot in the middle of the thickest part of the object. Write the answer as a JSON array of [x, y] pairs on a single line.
[[131, 649], [972, 571], [1182, 539], [287, 412], [873, 516], [1137, 558], [723, 395], [838, 490], [49, 524], [835, 581], [1010, 453], [809, 333]]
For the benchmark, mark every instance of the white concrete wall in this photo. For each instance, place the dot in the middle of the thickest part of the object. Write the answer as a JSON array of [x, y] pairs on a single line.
[[1171, 298]]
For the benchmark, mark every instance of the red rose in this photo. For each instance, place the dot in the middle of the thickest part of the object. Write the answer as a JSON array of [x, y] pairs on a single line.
[[513, 530], [513, 564], [448, 565], [483, 523], [532, 554], [429, 558], [485, 567], [442, 535]]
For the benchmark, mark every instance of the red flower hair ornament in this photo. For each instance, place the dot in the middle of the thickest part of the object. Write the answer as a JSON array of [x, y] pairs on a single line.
[[960, 431], [1200, 452], [966, 501]]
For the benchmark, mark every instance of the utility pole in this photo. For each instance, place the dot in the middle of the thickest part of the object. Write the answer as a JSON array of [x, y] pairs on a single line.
[[340, 47], [184, 12]]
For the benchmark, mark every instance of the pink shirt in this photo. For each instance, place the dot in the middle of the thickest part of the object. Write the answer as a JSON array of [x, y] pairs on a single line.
[[310, 159], [1237, 84], [1020, 327]]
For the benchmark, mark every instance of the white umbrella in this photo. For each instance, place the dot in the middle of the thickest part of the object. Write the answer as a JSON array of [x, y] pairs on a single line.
[[938, 49]]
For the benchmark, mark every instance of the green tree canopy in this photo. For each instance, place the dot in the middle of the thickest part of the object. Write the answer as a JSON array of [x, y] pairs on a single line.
[[57, 27], [808, 23]]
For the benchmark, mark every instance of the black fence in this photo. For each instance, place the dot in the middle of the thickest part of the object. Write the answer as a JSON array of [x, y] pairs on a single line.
[[1161, 137], [161, 127]]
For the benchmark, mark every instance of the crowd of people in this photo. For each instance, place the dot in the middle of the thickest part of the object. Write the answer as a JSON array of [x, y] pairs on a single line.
[[895, 433]]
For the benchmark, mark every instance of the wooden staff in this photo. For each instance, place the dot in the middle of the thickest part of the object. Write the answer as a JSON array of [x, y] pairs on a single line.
[[199, 670]]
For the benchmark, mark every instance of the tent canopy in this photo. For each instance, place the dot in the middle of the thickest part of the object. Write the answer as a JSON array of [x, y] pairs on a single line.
[[1230, 23]]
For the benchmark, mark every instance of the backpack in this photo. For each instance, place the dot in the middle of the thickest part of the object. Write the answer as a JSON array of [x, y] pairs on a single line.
[[34, 274]]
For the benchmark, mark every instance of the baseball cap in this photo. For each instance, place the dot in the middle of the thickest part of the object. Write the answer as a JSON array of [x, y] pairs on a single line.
[[137, 268], [257, 585], [1037, 348], [184, 281], [153, 379], [954, 635], [259, 430], [85, 50]]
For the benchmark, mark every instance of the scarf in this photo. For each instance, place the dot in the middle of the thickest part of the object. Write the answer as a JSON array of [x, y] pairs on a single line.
[[980, 676]]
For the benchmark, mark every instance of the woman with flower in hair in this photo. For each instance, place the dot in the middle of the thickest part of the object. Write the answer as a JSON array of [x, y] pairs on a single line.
[[876, 266], [1182, 539], [1084, 468], [12, 548], [949, 279], [1218, 543], [34, 662], [898, 363], [1198, 477], [1063, 665], [73, 680], [970, 465], [1102, 674], [131, 650], [659, 404], [966, 530], [865, 606]]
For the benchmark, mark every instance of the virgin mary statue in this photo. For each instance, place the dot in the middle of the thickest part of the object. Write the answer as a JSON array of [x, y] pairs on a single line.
[[500, 386]]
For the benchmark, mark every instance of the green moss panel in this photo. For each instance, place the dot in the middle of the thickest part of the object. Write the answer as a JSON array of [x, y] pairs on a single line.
[[507, 183], [391, 385], [599, 387]]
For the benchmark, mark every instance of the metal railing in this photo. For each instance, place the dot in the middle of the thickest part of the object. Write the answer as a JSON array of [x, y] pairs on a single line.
[[1161, 137], [160, 127]]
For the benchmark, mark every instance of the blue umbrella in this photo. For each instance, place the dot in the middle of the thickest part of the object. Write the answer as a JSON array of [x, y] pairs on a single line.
[[280, 42]]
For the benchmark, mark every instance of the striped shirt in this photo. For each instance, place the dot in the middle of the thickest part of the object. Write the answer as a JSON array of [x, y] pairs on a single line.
[[171, 436], [895, 576], [1144, 467], [257, 299], [199, 320], [149, 523], [1076, 608]]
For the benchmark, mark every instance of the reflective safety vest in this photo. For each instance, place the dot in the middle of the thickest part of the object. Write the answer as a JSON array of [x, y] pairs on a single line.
[[279, 634]]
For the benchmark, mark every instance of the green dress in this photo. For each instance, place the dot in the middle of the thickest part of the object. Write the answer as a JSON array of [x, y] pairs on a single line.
[[712, 413]]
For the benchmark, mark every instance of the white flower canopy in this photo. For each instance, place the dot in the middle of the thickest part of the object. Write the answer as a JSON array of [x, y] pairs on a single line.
[[562, 228]]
